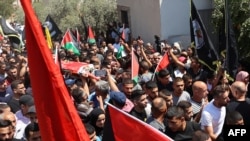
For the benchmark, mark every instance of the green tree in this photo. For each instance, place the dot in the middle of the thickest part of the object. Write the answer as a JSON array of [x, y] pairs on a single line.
[[98, 13], [66, 13], [7, 8], [240, 15]]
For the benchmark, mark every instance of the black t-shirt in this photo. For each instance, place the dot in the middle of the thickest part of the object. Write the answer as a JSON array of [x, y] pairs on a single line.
[[243, 107], [14, 105], [142, 116], [185, 135]]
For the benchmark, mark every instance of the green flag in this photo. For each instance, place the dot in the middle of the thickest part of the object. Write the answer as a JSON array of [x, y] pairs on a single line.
[[69, 44]]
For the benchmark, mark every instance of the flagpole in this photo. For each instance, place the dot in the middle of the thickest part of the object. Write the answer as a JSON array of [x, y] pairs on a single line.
[[56, 55], [226, 32]]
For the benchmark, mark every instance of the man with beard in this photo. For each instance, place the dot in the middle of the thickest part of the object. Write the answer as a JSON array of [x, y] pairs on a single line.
[[139, 98], [213, 114], [6, 130]]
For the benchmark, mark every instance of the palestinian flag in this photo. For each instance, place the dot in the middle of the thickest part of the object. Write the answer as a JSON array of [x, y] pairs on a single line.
[[69, 43], [135, 67], [91, 37], [164, 62], [120, 52], [121, 126]]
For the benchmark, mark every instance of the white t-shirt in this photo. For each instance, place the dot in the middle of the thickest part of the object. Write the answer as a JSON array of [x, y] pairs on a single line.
[[213, 116]]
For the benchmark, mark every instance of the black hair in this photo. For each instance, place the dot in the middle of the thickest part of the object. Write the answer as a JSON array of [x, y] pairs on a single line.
[[32, 127], [184, 104], [232, 117], [4, 123], [89, 128], [151, 84], [175, 111], [163, 73]]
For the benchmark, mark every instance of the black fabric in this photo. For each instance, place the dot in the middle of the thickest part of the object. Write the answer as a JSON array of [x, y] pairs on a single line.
[[185, 135], [108, 134], [142, 116]]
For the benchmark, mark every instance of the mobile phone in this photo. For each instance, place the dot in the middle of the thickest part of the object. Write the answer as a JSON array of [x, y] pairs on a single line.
[[100, 73]]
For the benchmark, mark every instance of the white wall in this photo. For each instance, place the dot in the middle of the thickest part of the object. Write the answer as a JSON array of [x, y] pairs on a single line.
[[167, 18], [145, 18]]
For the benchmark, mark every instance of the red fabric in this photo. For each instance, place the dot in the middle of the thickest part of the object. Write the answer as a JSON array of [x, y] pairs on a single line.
[[91, 34], [66, 38], [126, 127], [163, 63], [58, 118], [123, 34], [1, 37], [72, 66], [135, 65]]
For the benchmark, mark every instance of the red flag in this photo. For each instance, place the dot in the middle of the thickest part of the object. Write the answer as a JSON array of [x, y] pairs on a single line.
[[58, 118], [163, 63], [123, 127], [135, 67], [123, 34], [91, 37]]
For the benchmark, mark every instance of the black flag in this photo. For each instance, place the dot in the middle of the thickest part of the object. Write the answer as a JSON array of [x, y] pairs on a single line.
[[205, 50], [231, 61], [11, 33], [53, 28]]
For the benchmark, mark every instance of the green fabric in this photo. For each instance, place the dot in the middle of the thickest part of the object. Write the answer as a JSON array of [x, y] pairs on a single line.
[[72, 47], [119, 53]]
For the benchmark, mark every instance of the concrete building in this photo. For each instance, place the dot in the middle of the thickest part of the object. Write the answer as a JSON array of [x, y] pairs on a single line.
[[168, 19]]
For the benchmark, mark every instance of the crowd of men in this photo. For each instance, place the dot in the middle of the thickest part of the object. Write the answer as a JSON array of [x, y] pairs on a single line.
[[185, 101]]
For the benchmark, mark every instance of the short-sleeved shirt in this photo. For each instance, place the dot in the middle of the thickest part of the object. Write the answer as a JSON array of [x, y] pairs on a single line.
[[142, 116], [213, 116], [185, 135]]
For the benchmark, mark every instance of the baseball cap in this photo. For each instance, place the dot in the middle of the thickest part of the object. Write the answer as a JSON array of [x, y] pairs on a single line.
[[118, 97], [26, 100], [2, 79], [70, 81], [31, 110]]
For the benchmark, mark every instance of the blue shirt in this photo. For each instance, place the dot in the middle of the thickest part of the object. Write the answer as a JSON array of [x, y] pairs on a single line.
[[96, 104]]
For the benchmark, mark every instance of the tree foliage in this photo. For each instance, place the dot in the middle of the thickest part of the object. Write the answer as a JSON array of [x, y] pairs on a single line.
[[240, 15], [66, 13], [6, 8]]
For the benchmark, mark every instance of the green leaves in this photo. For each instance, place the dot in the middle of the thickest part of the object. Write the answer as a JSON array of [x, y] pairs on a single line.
[[240, 16]]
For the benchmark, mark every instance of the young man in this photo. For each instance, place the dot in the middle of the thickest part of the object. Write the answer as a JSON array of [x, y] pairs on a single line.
[[179, 94], [214, 113], [139, 98], [178, 128], [32, 132], [6, 130]]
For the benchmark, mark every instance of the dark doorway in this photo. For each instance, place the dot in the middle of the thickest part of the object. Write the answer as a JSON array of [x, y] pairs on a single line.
[[124, 16]]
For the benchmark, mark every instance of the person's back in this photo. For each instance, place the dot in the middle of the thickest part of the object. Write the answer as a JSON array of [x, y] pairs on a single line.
[[200, 135], [159, 109], [240, 102]]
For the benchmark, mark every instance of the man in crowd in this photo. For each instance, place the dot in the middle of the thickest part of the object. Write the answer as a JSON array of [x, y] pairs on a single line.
[[214, 113]]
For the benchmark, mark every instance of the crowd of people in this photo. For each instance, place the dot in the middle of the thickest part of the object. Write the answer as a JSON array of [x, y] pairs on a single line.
[[185, 100]]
